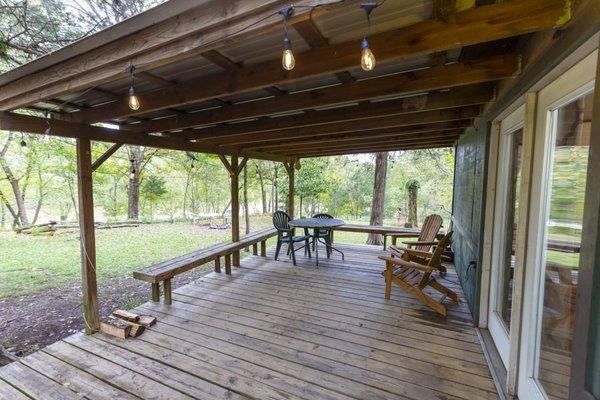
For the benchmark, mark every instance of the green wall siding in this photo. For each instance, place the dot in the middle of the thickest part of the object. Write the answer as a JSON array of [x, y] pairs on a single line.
[[467, 209]]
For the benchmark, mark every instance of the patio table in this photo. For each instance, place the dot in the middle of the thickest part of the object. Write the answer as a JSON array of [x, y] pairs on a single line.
[[318, 224]]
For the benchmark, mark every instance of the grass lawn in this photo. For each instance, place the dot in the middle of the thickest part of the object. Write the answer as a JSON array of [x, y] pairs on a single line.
[[31, 264]]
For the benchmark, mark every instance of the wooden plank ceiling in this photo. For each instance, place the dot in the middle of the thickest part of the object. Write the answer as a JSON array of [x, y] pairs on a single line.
[[220, 87]]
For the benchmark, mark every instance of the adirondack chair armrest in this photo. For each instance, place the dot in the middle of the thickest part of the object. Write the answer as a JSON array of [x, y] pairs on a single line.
[[408, 264], [419, 253], [418, 243]]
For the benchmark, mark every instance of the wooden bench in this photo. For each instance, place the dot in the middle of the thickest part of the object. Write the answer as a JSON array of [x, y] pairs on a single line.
[[386, 231], [165, 271]]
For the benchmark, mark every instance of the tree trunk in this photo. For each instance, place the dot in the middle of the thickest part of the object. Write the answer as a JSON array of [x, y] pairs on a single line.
[[15, 185], [246, 208], [377, 208], [412, 205], [262, 188], [276, 189], [136, 156]]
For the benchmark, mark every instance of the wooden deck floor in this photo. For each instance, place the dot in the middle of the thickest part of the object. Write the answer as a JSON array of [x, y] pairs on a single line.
[[272, 331]]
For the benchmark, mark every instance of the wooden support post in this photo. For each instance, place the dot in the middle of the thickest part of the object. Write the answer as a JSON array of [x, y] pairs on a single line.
[[167, 291], [263, 248], [255, 249], [155, 292], [235, 206], [218, 265], [289, 167], [228, 264], [106, 155], [91, 311]]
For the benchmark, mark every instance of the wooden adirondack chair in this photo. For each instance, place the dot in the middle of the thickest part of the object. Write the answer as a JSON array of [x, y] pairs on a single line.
[[429, 230], [427, 239], [414, 276]]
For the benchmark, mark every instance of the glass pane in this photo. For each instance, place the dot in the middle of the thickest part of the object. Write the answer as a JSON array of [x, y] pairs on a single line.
[[571, 129], [507, 262]]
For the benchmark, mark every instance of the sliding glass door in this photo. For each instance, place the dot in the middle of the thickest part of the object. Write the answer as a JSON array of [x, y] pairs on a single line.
[[557, 203]]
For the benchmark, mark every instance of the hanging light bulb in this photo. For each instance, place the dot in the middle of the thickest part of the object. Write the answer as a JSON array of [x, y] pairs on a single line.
[[287, 58], [133, 100], [367, 58]]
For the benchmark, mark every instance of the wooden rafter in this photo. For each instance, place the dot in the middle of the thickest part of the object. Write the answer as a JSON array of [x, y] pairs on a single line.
[[29, 124], [374, 149], [410, 131], [457, 97], [452, 75], [485, 23], [392, 121], [185, 35], [388, 141]]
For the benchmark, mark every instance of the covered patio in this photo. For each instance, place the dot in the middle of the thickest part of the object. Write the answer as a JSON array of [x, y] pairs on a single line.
[[208, 77], [273, 331]]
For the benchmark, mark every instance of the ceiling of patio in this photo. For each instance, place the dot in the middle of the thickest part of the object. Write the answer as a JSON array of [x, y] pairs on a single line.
[[236, 98]]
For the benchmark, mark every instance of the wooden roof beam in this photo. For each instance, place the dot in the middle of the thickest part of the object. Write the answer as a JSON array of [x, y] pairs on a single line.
[[373, 149], [391, 140], [447, 76], [313, 36], [480, 24], [28, 124], [392, 121], [457, 97], [209, 26], [366, 135]]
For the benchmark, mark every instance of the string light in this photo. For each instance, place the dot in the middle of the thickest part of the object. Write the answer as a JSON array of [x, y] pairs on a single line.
[[133, 100], [48, 130], [367, 58], [132, 174], [287, 59], [23, 143]]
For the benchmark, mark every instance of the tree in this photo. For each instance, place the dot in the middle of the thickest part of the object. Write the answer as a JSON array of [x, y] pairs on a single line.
[[412, 186], [377, 208], [310, 182], [154, 189]]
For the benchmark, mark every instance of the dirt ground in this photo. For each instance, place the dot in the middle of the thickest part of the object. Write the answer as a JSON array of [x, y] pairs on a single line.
[[30, 322]]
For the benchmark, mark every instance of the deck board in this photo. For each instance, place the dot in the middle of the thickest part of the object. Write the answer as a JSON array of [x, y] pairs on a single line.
[[274, 331]]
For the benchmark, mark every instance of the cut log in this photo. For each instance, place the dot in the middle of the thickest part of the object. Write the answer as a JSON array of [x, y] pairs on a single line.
[[115, 327], [147, 320], [136, 329], [126, 315]]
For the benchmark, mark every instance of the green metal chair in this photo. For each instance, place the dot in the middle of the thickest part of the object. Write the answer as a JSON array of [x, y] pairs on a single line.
[[325, 234], [285, 234]]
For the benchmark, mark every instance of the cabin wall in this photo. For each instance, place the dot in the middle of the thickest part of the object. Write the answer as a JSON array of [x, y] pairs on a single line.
[[467, 210]]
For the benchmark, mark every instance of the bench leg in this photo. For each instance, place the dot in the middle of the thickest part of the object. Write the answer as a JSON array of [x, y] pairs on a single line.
[[263, 248], [218, 265], [236, 258], [167, 291], [255, 249], [394, 240], [384, 242], [155, 292], [228, 264]]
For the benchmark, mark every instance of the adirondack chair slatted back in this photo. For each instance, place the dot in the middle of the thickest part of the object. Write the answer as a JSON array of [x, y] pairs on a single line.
[[281, 221], [429, 231], [436, 258]]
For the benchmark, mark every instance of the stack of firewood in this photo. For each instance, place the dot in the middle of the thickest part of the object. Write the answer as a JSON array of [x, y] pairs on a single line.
[[124, 324]]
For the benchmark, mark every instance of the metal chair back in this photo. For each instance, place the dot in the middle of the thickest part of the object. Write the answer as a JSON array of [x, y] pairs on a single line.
[[281, 221]]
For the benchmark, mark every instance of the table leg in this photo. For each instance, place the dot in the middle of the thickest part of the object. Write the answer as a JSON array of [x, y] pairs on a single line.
[[317, 247]]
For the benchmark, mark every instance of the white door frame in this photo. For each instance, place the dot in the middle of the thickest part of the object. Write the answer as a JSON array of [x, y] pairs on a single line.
[[496, 326], [572, 84]]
